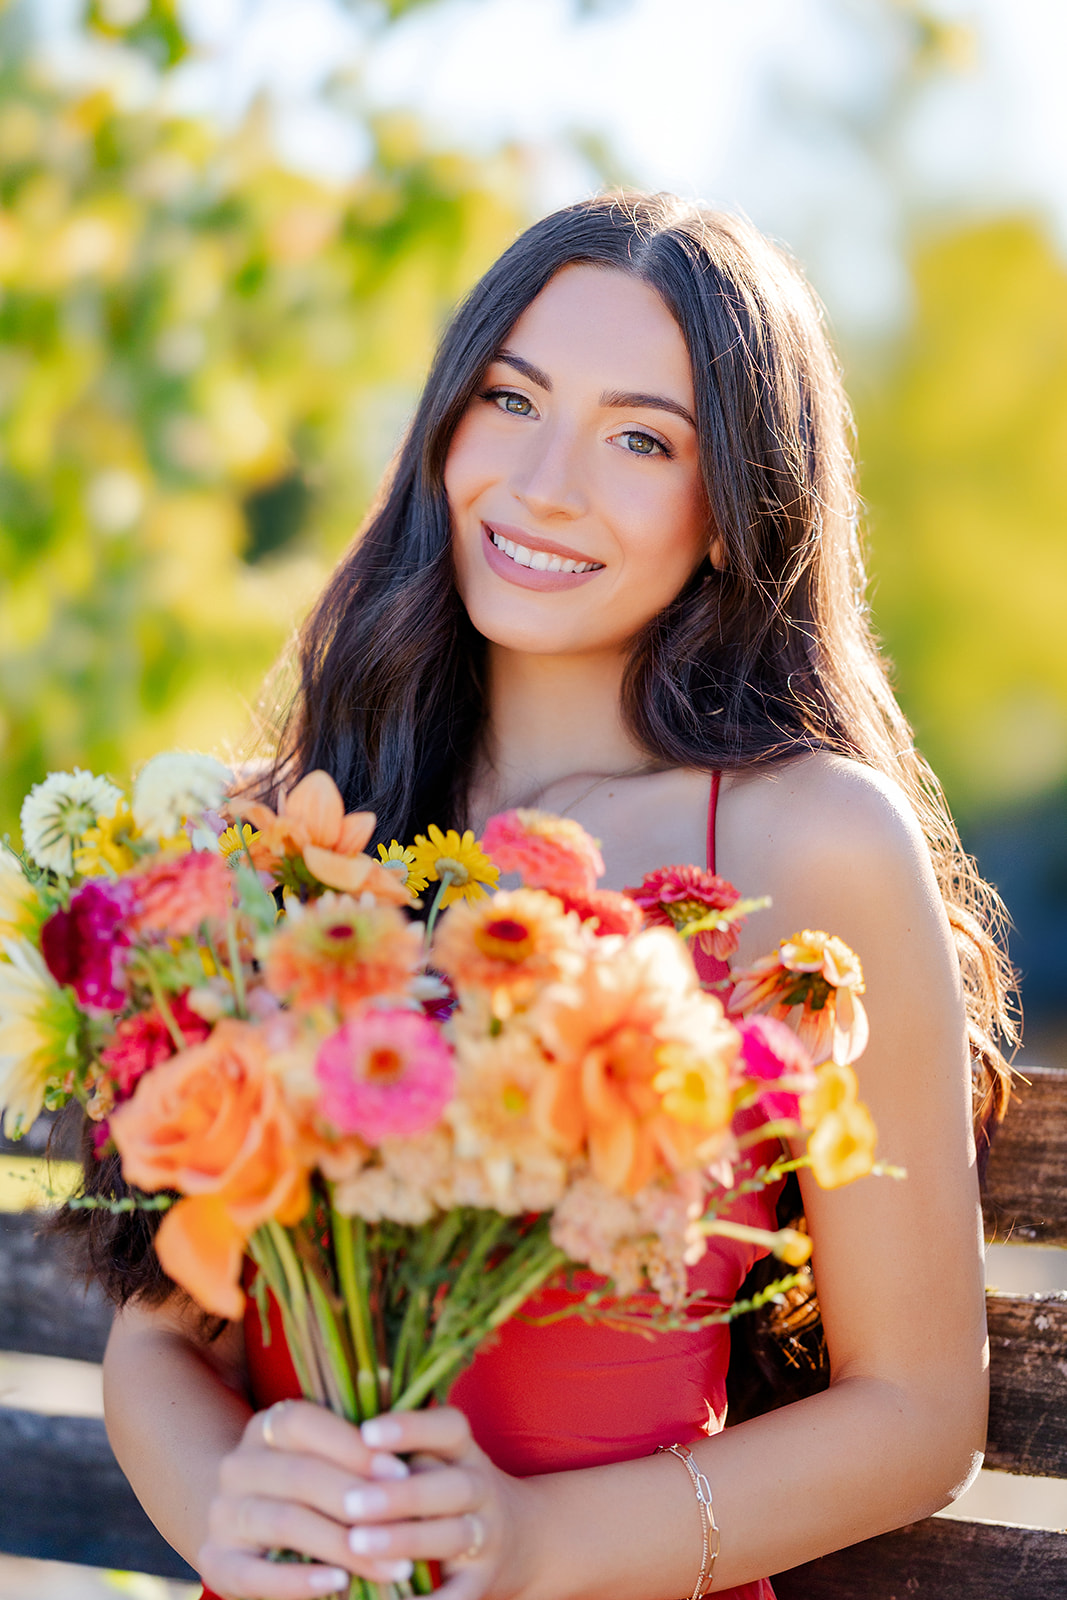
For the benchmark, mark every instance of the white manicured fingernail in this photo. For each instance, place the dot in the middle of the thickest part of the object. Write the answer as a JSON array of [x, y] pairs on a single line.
[[328, 1581], [388, 1467], [368, 1541], [396, 1571], [381, 1432], [366, 1503]]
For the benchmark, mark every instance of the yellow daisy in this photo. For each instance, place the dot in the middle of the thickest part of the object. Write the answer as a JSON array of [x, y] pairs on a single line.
[[234, 841], [456, 861], [107, 848], [400, 858]]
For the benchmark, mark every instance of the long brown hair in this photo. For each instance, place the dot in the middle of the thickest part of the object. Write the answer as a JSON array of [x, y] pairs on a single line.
[[765, 659], [769, 656]]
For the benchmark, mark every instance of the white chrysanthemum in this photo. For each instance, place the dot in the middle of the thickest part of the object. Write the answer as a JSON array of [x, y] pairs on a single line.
[[58, 812], [175, 785], [37, 1023]]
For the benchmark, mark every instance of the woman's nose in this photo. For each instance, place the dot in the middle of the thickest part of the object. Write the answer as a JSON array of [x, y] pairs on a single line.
[[549, 480]]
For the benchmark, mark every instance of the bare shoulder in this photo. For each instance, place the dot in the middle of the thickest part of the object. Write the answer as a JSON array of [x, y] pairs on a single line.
[[821, 803], [827, 838]]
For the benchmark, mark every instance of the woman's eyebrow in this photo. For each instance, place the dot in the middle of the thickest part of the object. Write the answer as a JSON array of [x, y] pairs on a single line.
[[619, 399], [613, 399], [527, 368]]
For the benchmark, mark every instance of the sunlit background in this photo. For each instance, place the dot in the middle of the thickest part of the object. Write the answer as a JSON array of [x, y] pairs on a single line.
[[230, 231]]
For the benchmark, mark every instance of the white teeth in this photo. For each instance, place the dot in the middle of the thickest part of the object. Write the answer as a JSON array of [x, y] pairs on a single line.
[[540, 560]]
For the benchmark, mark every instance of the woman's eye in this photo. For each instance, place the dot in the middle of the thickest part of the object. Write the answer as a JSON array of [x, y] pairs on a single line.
[[641, 444], [508, 400]]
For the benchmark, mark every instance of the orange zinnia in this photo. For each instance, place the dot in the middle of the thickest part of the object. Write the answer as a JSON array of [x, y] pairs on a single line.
[[211, 1123], [624, 1024], [311, 825], [508, 946], [339, 951]]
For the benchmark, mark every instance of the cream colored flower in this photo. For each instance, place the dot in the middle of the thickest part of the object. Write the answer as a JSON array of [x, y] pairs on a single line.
[[57, 813], [175, 785], [17, 897], [38, 1024]]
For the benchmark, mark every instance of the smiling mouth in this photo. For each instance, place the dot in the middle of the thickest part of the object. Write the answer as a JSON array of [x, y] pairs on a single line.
[[539, 560]]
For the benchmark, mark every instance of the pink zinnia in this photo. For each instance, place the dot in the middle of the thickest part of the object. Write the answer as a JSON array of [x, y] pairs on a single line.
[[548, 852], [83, 945], [141, 1042], [177, 894], [385, 1075], [672, 897], [771, 1052]]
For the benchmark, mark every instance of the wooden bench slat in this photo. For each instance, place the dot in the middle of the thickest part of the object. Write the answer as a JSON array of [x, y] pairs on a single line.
[[1025, 1197], [1028, 1384], [43, 1310], [939, 1559], [63, 1498]]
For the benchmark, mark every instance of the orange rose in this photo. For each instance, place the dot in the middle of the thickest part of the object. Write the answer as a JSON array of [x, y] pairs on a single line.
[[211, 1123]]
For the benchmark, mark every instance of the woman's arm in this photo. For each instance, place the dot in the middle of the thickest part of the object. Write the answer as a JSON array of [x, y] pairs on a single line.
[[217, 1489], [898, 1266]]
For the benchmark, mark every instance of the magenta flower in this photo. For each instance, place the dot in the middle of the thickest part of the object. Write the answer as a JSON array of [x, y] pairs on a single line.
[[385, 1075], [772, 1052], [83, 946]]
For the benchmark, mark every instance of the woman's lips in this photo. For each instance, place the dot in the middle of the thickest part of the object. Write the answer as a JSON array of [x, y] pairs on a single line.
[[529, 577]]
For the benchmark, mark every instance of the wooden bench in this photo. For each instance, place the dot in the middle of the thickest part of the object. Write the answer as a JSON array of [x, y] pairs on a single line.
[[63, 1498]]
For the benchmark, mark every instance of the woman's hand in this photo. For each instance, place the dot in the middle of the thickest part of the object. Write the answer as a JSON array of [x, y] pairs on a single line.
[[286, 1486], [305, 1480], [456, 1507]]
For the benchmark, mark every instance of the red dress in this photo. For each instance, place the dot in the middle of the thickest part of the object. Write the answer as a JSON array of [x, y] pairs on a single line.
[[574, 1394]]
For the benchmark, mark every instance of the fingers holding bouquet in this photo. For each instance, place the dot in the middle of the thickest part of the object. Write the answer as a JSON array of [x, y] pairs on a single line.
[[456, 1508], [341, 1501], [288, 1487]]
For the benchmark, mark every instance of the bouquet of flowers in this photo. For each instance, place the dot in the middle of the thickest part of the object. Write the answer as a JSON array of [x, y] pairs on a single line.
[[409, 1126]]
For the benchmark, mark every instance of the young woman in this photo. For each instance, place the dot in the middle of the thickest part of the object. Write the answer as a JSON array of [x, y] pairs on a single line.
[[617, 560]]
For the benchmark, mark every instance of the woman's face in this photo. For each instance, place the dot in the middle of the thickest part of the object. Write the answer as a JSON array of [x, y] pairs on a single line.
[[578, 509]]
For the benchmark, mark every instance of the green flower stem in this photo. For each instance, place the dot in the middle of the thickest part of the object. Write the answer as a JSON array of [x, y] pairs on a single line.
[[431, 920], [723, 1229], [163, 1007], [335, 1362], [547, 1261], [299, 1308], [236, 970], [350, 1253], [261, 1248]]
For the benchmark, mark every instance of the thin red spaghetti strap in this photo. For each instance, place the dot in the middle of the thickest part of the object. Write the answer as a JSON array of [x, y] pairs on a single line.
[[713, 803]]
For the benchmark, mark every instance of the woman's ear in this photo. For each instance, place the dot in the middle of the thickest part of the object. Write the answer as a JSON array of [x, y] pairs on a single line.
[[717, 551]]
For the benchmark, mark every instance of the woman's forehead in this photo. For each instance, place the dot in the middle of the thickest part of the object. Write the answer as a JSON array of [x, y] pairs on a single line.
[[608, 326]]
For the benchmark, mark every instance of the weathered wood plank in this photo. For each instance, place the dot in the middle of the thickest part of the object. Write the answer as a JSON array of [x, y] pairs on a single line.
[[44, 1311], [1028, 1384], [63, 1498], [939, 1559], [1025, 1197]]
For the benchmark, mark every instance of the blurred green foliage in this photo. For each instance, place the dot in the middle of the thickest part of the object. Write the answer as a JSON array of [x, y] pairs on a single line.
[[963, 442], [205, 362]]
